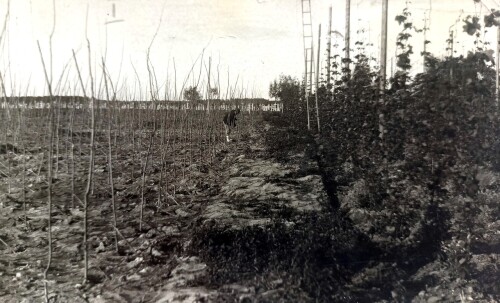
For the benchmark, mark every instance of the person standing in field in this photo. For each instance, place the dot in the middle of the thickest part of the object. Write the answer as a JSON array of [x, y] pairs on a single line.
[[230, 121]]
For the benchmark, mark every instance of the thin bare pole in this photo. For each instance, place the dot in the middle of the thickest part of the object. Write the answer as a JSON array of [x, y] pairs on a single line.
[[4, 97], [49, 176], [175, 81], [228, 85], [208, 86], [91, 168], [218, 80], [317, 76], [425, 42], [497, 61], [329, 50], [110, 157], [51, 35], [2, 36]]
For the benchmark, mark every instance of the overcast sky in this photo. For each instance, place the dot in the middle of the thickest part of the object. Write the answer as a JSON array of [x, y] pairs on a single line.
[[254, 40]]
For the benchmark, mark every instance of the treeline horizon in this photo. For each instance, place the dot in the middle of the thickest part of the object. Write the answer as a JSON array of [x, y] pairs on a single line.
[[74, 98]]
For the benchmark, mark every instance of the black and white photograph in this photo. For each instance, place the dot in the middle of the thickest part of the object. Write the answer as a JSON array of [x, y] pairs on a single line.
[[249, 151]]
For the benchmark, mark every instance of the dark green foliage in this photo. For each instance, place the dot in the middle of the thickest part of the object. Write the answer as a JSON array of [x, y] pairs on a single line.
[[287, 136], [192, 94], [410, 176], [286, 88], [214, 92], [453, 111], [440, 133], [404, 48], [492, 19], [472, 25], [352, 117], [318, 252], [288, 126]]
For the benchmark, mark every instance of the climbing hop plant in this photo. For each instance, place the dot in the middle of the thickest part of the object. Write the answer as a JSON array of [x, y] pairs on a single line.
[[405, 50]]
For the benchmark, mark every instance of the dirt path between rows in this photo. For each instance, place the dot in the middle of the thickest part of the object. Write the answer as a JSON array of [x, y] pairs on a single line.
[[243, 187]]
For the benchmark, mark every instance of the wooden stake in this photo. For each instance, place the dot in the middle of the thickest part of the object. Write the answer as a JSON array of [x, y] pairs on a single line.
[[317, 76], [497, 61], [383, 49], [329, 50], [347, 32]]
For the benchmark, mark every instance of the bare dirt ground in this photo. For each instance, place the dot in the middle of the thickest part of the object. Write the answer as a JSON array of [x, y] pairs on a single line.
[[242, 187]]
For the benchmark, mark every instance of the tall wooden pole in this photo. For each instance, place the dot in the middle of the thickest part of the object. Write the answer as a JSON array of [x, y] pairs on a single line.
[[317, 76], [311, 68], [451, 54], [383, 49], [392, 67], [306, 91], [347, 32], [329, 50], [383, 73], [305, 73], [497, 61], [425, 42], [383, 65]]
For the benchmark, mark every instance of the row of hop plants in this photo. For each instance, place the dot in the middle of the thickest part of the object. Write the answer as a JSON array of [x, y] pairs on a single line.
[[401, 179]]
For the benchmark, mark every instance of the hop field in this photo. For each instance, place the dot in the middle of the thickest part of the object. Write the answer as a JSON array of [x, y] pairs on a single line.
[[355, 188]]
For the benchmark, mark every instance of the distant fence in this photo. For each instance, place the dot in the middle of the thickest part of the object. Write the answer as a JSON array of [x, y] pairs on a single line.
[[81, 103], [268, 106]]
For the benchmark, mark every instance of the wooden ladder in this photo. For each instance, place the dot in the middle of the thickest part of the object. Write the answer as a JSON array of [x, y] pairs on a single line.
[[307, 33]]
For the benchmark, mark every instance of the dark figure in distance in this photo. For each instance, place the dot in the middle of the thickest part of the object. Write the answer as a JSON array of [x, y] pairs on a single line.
[[230, 121]]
